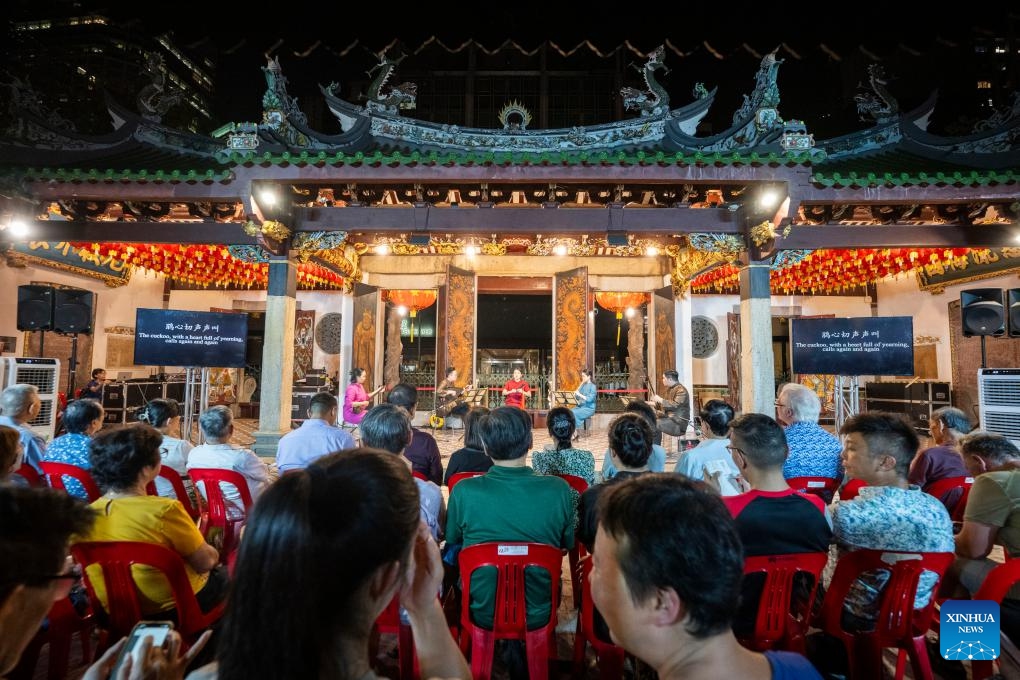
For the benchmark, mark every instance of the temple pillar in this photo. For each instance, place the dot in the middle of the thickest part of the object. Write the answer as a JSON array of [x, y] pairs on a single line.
[[757, 370], [346, 346], [277, 356]]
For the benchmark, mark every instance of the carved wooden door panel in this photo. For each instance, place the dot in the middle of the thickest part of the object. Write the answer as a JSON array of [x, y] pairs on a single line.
[[663, 351], [366, 333], [733, 359], [570, 327], [457, 325]]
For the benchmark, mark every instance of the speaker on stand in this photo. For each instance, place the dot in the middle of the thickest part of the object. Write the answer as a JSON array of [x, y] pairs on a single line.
[[72, 314], [982, 313], [1013, 306]]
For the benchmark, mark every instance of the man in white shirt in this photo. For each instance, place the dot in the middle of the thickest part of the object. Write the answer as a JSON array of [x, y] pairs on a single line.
[[217, 425], [316, 437]]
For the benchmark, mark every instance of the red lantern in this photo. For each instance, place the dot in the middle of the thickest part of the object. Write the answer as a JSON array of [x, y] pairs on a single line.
[[619, 302], [412, 301]]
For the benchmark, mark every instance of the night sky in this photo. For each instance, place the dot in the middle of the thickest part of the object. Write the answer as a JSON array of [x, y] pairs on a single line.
[[822, 42]]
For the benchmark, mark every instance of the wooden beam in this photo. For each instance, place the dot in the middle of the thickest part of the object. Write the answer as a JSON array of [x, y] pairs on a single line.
[[216, 192], [537, 220], [900, 236], [231, 233]]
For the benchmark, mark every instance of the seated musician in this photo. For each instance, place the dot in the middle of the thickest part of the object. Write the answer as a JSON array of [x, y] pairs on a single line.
[[448, 402], [674, 409], [516, 390]]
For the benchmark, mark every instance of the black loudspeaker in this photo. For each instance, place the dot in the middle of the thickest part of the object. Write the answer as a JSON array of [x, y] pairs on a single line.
[[1013, 304], [982, 312], [72, 310], [35, 308]]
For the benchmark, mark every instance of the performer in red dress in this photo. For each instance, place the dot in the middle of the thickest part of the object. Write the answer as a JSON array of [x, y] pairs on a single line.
[[516, 390]]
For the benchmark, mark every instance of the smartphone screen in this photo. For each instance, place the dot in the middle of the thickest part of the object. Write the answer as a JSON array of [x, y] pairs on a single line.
[[158, 630]]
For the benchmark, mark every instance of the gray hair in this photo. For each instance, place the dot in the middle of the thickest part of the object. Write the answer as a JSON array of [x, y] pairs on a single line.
[[803, 402], [386, 427], [16, 399], [995, 447], [953, 418], [215, 422]]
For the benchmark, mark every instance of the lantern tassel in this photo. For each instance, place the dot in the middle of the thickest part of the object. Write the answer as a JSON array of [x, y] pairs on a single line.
[[413, 314], [619, 317]]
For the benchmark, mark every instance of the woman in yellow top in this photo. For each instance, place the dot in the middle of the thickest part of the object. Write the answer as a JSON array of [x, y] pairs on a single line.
[[124, 460]]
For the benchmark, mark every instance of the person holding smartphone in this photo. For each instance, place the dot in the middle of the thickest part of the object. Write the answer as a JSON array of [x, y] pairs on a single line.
[[36, 572]]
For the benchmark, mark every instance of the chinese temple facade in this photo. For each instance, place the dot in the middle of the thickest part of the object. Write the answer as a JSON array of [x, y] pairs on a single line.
[[711, 236]]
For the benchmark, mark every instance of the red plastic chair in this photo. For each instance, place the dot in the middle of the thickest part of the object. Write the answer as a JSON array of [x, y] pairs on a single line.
[[609, 656], [510, 617], [55, 473], [30, 475], [211, 479], [457, 476], [177, 482], [777, 624], [941, 487], [578, 552], [389, 622], [851, 489], [995, 587], [62, 623], [115, 559], [898, 625], [823, 487]]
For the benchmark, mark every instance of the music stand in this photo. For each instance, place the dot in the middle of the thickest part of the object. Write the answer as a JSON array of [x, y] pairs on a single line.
[[564, 398], [479, 396]]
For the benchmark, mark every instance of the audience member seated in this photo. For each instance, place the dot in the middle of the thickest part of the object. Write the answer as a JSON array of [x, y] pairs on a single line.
[[711, 458], [11, 452], [888, 513], [771, 518], [35, 572], [20, 404], [472, 457], [630, 446], [316, 437], [423, 452], [560, 457], [666, 576], [943, 460], [165, 416], [387, 427], [124, 461], [992, 515], [656, 461], [814, 452], [82, 419], [511, 502], [217, 425], [326, 550]]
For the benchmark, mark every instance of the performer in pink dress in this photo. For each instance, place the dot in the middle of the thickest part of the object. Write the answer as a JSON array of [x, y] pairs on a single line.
[[516, 390], [356, 399]]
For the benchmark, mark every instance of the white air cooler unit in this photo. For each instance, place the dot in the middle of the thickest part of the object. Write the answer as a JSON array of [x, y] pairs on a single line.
[[45, 375], [999, 401]]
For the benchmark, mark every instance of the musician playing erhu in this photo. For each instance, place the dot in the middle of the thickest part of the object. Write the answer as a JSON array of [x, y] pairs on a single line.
[[673, 410]]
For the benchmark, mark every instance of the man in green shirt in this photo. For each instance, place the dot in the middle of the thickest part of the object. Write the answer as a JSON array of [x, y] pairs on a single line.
[[510, 503]]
